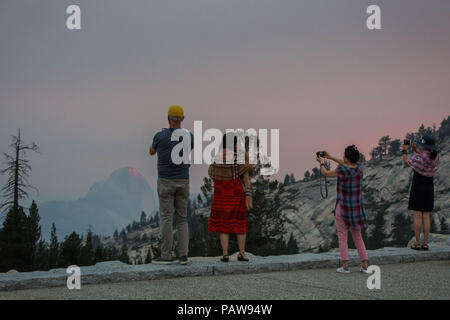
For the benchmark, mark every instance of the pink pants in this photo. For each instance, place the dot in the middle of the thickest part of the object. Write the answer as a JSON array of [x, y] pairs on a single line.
[[342, 231]]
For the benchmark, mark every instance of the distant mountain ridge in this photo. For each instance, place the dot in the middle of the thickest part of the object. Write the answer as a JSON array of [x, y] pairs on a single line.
[[108, 205]]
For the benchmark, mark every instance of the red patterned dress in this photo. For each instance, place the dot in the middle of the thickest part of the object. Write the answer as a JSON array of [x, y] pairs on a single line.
[[229, 212]]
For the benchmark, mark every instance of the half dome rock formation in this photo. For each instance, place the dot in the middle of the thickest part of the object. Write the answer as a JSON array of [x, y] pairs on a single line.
[[108, 205]]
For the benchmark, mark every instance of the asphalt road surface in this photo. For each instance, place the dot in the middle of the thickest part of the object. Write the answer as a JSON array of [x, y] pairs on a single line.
[[419, 280]]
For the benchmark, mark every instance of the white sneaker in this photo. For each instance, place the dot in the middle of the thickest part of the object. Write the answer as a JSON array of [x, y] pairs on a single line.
[[362, 270], [342, 270]]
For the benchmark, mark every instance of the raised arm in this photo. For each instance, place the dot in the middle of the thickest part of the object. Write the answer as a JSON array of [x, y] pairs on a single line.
[[324, 170], [330, 157]]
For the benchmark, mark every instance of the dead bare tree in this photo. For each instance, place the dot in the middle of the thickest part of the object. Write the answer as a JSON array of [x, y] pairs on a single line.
[[18, 168]]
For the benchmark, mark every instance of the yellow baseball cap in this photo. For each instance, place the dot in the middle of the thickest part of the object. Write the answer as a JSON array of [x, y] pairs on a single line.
[[176, 111]]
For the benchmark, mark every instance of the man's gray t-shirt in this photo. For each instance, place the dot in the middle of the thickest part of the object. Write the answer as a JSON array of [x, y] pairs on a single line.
[[163, 145]]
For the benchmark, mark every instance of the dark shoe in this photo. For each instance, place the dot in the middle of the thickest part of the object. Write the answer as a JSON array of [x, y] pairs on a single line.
[[425, 247], [184, 260], [225, 258], [241, 258], [415, 247], [161, 260]]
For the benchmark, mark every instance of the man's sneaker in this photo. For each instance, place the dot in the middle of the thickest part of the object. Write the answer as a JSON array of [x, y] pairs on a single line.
[[184, 260], [342, 270], [363, 270], [161, 260]]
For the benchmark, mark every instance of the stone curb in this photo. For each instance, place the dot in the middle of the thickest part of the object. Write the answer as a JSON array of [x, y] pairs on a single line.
[[114, 271]]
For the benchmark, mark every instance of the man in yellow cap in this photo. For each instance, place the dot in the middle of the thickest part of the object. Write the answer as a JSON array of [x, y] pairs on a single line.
[[173, 188]]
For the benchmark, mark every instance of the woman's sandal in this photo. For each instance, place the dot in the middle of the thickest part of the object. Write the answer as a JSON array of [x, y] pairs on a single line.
[[225, 258], [241, 258], [425, 247], [415, 246]]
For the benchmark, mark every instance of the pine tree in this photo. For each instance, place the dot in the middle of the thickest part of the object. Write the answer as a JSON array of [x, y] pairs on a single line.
[[379, 151], [433, 226], [99, 255], [444, 226], [315, 173], [287, 180], [16, 249], [394, 147], [334, 241], [374, 153], [143, 219], [156, 218], [362, 158], [292, 178], [422, 131], [444, 130], [32, 235], [13, 244], [292, 247], [18, 169], [124, 257], [71, 250], [113, 254], [266, 235], [116, 234], [207, 191], [306, 176], [87, 251], [42, 256], [123, 235], [53, 255], [378, 235], [384, 143], [401, 230], [148, 257]]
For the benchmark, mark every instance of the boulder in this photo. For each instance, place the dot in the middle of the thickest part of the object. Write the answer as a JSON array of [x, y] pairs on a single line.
[[433, 238]]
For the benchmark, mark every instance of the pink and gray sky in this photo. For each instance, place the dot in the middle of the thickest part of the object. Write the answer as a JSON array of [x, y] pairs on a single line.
[[93, 98]]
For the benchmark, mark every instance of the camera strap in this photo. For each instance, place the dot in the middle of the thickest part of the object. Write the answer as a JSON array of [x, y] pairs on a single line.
[[324, 185]]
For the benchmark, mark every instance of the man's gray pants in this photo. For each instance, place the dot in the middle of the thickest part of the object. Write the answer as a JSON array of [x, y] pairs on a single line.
[[173, 198]]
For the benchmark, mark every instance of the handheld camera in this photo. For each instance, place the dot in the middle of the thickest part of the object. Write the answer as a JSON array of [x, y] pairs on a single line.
[[320, 154]]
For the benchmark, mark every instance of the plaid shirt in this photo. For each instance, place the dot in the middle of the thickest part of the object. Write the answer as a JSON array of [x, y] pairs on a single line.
[[423, 164], [350, 196]]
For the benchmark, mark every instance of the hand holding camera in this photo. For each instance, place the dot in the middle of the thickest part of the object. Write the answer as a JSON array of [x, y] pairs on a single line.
[[319, 156]]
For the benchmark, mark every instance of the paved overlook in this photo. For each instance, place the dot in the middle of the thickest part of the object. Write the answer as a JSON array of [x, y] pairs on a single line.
[[308, 275], [417, 280]]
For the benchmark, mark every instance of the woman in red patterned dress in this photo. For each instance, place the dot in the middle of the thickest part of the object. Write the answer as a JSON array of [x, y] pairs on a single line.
[[232, 196]]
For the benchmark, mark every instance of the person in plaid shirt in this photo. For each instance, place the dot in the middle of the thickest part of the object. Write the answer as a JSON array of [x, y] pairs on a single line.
[[349, 210], [421, 197]]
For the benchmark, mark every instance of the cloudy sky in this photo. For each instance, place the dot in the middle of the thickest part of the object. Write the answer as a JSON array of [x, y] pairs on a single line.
[[93, 99]]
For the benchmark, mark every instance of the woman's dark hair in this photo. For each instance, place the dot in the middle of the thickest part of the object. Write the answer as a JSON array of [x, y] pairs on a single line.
[[433, 153], [352, 154], [230, 137]]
